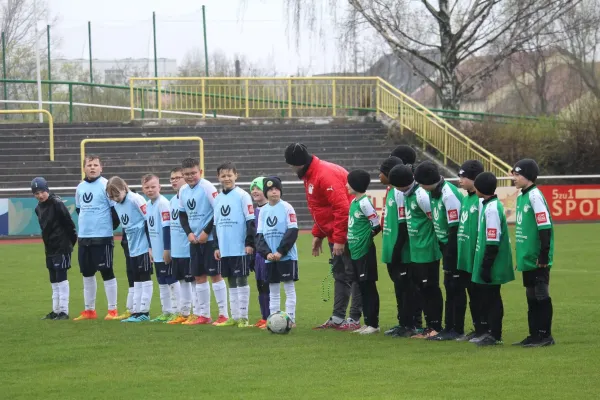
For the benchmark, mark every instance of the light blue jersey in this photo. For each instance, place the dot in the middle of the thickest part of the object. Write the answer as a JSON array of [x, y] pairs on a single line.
[[95, 219], [198, 203], [232, 210], [132, 213], [158, 217], [273, 222], [180, 245]]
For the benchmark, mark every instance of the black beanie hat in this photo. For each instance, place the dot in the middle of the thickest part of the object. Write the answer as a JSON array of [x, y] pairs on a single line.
[[527, 168], [401, 176], [406, 153], [486, 183], [272, 182], [427, 173], [359, 180], [296, 154], [39, 184], [388, 164], [470, 169]]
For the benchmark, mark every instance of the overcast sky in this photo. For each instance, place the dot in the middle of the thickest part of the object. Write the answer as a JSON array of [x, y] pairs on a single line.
[[123, 28]]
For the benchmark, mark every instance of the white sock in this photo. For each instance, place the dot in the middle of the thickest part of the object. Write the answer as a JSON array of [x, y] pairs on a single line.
[[203, 294], [220, 289], [290, 299], [63, 296], [175, 290], [274, 297], [185, 299], [129, 304], [244, 300], [137, 297], [147, 288], [90, 286], [195, 299], [110, 287], [55, 297], [234, 303], [165, 298]]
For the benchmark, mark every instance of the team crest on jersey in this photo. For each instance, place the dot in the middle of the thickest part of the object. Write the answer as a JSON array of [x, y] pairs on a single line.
[[519, 218], [390, 202], [88, 197], [526, 207], [191, 203], [124, 219], [413, 206], [473, 209], [175, 214], [225, 211], [310, 188], [356, 214], [464, 216], [271, 221], [151, 221]]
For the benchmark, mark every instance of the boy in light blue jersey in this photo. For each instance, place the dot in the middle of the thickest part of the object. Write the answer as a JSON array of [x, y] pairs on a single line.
[[97, 220], [196, 200], [132, 211], [234, 224], [277, 233], [180, 255], [159, 228]]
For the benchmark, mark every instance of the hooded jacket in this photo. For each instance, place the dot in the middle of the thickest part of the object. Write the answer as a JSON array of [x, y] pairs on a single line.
[[58, 229]]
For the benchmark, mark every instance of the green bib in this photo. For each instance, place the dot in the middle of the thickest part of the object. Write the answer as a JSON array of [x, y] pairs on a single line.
[[532, 215], [424, 247], [359, 228], [495, 234], [445, 210], [467, 232], [393, 214]]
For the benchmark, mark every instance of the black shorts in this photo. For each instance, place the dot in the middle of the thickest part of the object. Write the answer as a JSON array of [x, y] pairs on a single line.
[[202, 259], [426, 274], [182, 269], [95, 257], [536, 276], [398, 271], [58, 262], [365, 268], [230, 267], [141, 265], [163, 269], [282, 271]]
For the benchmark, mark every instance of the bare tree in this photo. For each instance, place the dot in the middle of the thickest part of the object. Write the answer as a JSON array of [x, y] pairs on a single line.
[[579, 37], [455, 29]]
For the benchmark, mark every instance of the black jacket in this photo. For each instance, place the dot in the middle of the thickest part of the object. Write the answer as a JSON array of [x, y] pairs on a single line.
[[58, 229]]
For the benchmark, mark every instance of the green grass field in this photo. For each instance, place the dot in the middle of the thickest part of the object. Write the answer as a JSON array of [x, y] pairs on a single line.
[[100, 360]]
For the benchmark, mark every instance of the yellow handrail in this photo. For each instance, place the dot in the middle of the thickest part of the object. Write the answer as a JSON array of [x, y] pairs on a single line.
[[153, 139], [50, 124]]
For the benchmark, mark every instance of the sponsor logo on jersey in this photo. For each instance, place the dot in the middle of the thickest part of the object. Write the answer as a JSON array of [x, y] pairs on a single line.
[[215, 194], [175, 214], [143, 209], [464, 216], [402, 212], [88, 197], [519, 218], [541, 217], [271, 221], [225, 211], [250, 209], [165, 215], [452, 215], [350, 222], [292, 217], [124, 219], [151, 221], [526, 208], [492, 233], [191, 203]]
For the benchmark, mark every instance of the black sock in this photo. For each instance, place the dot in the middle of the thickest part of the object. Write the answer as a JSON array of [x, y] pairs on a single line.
[[544, 317], [400, 302], [532, 306]]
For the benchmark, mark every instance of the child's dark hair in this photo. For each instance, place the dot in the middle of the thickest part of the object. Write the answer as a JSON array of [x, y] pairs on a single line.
[[92, 157], [190, 163], [226, 166], [176, 170]]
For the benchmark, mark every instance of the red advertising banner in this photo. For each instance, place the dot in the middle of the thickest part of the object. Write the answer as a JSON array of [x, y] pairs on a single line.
[[573, 202]]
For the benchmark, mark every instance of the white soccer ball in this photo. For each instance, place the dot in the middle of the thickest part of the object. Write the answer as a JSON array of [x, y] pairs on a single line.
[[279, 322]]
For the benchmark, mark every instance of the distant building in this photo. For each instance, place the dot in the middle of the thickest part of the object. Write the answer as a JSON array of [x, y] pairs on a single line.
[[117, 72]]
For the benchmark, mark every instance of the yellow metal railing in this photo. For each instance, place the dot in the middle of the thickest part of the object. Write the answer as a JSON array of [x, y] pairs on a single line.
[[311, 96], [153, 139], [50, 124]]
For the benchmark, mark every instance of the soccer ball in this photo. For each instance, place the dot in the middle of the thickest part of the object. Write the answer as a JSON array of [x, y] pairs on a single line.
[[279, 322]]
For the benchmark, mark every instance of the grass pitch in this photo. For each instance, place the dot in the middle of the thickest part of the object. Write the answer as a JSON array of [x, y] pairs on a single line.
[[100, 360]]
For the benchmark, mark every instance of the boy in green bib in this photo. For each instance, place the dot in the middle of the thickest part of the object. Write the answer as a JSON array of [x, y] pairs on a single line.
[[446, 202], [424, 249], [535, 251], [363, 226], [467, 240], [493, 265]]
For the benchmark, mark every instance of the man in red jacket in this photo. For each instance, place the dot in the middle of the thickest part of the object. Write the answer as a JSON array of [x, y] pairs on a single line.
[[329, 203]]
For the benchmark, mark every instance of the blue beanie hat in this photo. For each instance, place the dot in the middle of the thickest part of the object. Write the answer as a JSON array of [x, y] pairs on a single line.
[[38, 184]]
